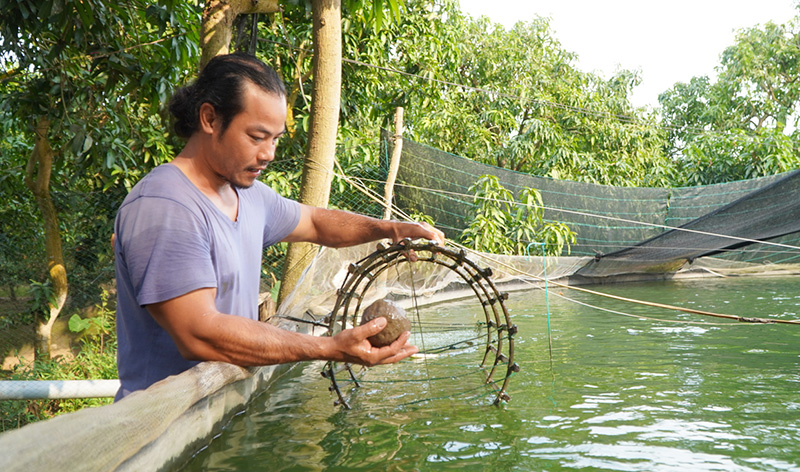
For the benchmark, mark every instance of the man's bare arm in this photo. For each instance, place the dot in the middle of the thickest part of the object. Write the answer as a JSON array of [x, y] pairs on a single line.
[[336, 228], [201, 332]]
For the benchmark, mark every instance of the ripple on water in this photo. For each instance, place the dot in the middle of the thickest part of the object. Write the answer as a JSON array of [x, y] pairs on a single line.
[[617, 394]]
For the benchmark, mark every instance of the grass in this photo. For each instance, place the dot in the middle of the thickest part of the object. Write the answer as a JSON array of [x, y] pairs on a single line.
[[95, 359]]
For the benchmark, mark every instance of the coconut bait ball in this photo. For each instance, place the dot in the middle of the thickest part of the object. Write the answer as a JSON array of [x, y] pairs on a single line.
[[397, 324]]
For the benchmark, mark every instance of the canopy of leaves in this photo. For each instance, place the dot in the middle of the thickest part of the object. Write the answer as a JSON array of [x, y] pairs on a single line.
[[508, 97], [744, 124], [100, 72]]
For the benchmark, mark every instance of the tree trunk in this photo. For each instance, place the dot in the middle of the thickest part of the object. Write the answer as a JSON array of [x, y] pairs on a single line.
[[318, 166], [217, 27], [37, 179]]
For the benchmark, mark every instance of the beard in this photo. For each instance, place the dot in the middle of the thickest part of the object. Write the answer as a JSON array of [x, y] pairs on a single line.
[[241, 184]]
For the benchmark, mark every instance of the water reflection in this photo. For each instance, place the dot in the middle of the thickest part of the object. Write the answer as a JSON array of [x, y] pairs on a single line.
[[620, 393]]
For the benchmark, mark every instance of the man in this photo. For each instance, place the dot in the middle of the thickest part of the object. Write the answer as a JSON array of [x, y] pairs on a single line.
[[190, 235]]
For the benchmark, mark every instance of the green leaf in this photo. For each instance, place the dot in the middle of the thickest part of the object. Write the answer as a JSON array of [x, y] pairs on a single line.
[[84, 10], [87, 144], [77, 324], [394, 7]]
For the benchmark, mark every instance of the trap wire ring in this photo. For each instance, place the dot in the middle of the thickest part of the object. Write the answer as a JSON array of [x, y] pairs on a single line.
[[498, 357]]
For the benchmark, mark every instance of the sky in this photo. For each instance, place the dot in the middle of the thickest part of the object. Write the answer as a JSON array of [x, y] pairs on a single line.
[[667, 41]]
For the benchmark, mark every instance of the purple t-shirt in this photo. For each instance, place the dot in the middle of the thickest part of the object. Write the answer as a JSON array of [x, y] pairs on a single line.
[[171, 240]]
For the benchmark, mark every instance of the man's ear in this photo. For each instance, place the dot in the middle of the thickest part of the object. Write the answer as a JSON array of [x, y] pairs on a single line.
[[207, 116]]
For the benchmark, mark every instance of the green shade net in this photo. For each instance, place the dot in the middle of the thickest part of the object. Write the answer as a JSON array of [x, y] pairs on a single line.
[[627, 230]]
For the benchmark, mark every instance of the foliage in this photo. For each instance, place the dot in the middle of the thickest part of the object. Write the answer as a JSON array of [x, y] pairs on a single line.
[[510, 98], [422, 218], [744, 125], [95, 360], [41, 298], [501, 225], [100, 72], [21, 252], [96, 329], [77, 64]]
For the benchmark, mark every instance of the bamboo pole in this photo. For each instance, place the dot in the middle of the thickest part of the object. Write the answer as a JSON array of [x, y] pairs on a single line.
[[394, 162]]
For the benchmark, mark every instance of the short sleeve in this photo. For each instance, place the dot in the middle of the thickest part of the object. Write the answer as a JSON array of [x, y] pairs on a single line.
[[282, 216], [166, 249]]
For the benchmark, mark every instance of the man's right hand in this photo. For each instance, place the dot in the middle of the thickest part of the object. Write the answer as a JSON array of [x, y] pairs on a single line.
[[352, 345]]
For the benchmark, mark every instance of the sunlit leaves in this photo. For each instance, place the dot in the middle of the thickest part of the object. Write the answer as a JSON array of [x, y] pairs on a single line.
[[96, 69], [744, 124], [500, 224]]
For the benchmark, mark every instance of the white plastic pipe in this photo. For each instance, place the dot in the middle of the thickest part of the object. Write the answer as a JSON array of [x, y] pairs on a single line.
[[57, 389]]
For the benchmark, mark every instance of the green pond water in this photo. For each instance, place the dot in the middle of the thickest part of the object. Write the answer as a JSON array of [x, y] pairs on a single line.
[[624, 393]]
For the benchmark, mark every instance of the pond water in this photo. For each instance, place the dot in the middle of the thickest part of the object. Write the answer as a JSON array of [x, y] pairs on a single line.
[[656, 391]]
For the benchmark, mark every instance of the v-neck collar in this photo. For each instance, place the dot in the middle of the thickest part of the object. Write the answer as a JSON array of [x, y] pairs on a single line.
[[209, 201]]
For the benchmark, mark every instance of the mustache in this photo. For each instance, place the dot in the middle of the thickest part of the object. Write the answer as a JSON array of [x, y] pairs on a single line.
[[261, 165]]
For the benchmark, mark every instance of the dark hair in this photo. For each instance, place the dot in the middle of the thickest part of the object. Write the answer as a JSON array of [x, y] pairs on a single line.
[[221, 83]]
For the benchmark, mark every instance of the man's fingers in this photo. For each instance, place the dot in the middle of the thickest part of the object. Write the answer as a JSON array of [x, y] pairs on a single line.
[[437, 234], [418, 230], [374, 327], [411, 256], [402, 339], [405, 349], [361, 351]]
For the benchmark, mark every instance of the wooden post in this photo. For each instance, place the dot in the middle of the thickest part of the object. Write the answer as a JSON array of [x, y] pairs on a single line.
[[394, 163]]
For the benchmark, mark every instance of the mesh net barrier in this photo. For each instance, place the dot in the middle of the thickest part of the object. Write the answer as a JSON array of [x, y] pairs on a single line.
[[763, 214], [624, 230], [317, 291]]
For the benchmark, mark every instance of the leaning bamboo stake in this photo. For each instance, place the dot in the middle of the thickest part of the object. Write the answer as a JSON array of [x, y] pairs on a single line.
[[394, 163]]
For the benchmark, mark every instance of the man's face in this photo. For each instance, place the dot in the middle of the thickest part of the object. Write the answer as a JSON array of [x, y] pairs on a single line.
[[243, 150]]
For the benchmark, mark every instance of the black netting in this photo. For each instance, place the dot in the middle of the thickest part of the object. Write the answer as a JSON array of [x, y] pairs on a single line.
[[763, 214], [437, 183], [628, 230]]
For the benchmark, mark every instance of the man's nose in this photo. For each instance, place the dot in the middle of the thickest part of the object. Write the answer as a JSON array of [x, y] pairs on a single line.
[[267, 153]]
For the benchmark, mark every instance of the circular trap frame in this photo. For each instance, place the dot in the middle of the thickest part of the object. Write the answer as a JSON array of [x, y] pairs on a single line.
[[491, 338]]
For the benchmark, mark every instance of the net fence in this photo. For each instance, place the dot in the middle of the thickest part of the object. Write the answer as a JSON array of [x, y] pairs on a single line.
[[624, 230]]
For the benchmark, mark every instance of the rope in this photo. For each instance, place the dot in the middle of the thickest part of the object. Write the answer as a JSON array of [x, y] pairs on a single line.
[[369, 194], [416, 311]]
